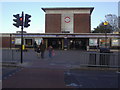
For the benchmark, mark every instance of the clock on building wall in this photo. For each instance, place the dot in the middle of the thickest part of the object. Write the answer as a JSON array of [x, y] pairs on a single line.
[[67, 19]]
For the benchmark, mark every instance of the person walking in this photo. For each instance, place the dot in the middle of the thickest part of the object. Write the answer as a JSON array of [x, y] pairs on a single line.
[[42, 48], [35, 46], [50, 50], [38, 51]]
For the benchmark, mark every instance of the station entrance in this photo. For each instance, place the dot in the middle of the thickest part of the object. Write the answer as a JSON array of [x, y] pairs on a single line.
[[68, 43], [56, 43], [80, 44]]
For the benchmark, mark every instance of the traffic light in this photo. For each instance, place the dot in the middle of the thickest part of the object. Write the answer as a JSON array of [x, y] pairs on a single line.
[[27, 20], [18, 20]]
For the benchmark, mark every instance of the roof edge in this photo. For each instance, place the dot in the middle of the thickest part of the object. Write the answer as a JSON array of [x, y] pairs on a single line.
[[68, 8]]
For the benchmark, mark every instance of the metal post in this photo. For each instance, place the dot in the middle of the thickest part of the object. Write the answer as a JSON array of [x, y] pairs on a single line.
[[105, 24], [97, 44], [105, 38], [65, 43], [62, 44], [22, 38], [10, 40]]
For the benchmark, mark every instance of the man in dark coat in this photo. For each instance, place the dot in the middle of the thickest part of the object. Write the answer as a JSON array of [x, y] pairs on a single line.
[[35, 46], [42, 48]]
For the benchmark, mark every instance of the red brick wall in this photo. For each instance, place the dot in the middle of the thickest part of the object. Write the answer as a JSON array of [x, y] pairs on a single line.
[[53, 23], [6, 42], [81, 23]]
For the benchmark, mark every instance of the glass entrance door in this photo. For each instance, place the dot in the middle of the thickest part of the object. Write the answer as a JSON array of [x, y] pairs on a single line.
[[28, 42]]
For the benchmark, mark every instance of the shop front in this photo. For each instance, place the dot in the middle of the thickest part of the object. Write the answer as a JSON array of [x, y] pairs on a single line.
[[68, 43], [62, 41]]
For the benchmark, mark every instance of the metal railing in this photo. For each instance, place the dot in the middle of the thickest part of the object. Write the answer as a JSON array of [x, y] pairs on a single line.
[[82, 58], [10, 55], [14, 55], [101, 59]]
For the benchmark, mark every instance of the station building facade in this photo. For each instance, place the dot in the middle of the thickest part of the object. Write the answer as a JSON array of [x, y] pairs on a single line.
[[67, 20], [65, 28]]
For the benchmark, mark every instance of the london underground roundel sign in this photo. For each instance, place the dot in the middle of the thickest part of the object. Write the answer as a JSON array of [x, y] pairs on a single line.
[[67, 19]]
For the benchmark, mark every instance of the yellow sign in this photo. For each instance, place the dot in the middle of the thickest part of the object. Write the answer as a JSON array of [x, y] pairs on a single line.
[[23, 47], [105, 23]]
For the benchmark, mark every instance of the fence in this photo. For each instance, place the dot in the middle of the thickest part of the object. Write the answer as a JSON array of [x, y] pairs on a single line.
[[101, 59], [14, 55], [11, 56], [73, 57]]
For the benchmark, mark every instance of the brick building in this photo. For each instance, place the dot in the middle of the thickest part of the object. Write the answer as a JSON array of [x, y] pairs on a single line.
[[65, 28], [68, 20]]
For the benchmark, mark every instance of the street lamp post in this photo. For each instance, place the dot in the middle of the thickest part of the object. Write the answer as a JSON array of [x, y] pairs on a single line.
[[105, 24]]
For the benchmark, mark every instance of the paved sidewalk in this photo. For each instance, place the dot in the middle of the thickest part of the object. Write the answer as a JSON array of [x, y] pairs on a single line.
[[37, 74], [36, 78]]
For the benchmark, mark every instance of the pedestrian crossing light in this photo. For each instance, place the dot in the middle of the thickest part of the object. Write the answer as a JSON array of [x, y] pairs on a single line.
[[18, 20], [27, 20]]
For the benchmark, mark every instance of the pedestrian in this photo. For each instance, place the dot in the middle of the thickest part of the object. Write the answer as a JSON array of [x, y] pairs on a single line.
[[59, 43], [50, 50], [35, 46], [38, 51], [42, 48]]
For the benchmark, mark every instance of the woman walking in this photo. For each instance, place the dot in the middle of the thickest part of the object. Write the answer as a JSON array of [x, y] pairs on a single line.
[[50, 50]]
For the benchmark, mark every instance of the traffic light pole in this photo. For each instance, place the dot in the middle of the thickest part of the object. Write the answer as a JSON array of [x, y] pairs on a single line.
[[22, 37], [19, 21]]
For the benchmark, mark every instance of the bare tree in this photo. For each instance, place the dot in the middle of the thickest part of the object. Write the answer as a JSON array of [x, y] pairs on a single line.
[[113, 21]]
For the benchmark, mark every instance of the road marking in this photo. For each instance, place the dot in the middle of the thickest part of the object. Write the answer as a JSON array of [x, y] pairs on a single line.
[[117, 72], [74, 85], [13, 73]]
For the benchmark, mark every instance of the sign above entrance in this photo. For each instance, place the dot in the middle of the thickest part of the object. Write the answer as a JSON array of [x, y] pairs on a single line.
[[67, 19], [67, 35]]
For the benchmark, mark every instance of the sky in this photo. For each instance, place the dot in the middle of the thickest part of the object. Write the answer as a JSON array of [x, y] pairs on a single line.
[[37, 24], [119, 8]]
